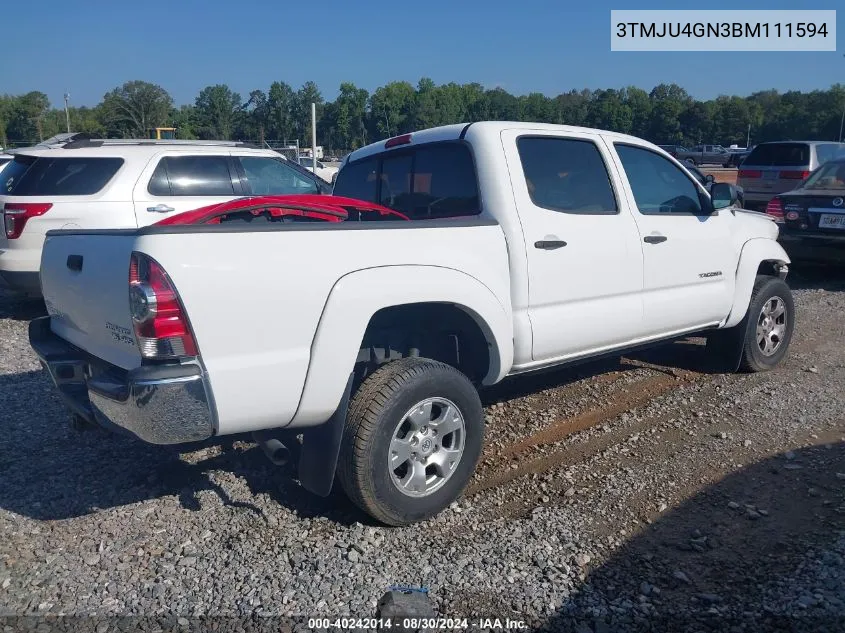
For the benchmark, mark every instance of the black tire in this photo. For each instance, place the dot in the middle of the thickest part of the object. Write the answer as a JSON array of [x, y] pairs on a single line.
[[691, 161], [766, 288], [374, 413]]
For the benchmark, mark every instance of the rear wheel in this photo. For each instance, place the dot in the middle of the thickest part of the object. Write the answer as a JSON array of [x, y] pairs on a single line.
[[412, 440]]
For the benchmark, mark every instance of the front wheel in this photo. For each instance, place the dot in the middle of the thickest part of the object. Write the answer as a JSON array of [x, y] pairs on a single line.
[[412, 439], [768, 324]]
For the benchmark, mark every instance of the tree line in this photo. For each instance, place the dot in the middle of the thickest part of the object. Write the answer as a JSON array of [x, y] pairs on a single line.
[[667, 114]]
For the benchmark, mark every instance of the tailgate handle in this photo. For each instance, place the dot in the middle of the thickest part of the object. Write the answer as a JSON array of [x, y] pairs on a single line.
[[74, 262]]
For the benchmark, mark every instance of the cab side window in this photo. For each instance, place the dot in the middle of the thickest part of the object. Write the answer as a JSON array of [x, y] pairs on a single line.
[[659, 186], [566, 175]]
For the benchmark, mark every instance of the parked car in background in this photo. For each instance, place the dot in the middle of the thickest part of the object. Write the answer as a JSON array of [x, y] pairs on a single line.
[[737, 157], [813, 215], [674, 150], [526, 242], [100, 184], [705, 155], [779, 166], [707, 181], [323, 171]]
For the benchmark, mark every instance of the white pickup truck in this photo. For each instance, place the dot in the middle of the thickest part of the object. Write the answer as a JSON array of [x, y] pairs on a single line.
[[527, 246]]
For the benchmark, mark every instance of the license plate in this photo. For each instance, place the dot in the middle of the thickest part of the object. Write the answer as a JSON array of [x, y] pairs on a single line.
[[827, 221], [770, 175]]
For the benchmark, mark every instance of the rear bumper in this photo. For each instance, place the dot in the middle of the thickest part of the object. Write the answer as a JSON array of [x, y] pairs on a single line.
[[27, 282], [811, 236], [158, 404]]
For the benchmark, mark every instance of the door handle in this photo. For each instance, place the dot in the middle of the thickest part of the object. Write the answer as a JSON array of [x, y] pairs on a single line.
[[654, 239], [549, 245], [160, 208]]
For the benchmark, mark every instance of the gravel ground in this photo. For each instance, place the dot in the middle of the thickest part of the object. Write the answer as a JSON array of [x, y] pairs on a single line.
[[638, 494]]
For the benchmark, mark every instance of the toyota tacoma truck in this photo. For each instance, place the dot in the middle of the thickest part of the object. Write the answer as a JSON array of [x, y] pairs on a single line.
[[361, 346]]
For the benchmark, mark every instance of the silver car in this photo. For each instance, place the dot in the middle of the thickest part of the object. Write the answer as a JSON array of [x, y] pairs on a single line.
[[777, 167]]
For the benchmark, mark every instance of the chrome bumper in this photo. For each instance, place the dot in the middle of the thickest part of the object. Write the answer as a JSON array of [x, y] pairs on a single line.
[[159, 404]]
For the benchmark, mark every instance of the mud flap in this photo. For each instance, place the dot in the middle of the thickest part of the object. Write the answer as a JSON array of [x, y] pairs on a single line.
[[724, 347], [321, 447]]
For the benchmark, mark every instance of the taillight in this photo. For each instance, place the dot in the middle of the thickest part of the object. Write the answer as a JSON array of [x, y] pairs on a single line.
[[17, 214], [794, 175], [750, 173], [775, 210], [161, 325]]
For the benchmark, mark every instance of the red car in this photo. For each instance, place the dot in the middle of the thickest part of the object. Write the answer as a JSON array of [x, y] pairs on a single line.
[[288, 208]]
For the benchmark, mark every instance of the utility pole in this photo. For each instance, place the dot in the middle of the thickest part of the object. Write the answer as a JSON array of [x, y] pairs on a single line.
[[67, 112], [314, 136], [748, 137], [842, 121]]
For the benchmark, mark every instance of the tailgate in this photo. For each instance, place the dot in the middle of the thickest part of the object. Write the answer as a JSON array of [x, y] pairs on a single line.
[[85, 283]]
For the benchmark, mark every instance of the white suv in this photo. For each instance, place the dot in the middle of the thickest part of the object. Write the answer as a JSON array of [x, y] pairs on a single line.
[[93, 184]]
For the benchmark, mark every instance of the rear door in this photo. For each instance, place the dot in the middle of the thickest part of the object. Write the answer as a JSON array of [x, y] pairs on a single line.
[[581, 243], [173, 182], [689, 258]]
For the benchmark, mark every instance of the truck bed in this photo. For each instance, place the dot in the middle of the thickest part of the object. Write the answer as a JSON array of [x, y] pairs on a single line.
[[254, 295]]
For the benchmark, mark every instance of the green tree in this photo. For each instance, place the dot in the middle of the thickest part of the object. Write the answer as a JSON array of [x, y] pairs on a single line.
[[347, 116], [26, 117], [134, 108], [255, 123], [309, 93], [392, 109], [502, 105], [668, 101], [280, 111], [184, 119], [218, 109]]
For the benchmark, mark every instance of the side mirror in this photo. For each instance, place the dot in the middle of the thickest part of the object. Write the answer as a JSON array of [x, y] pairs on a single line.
[[708, 179], [723, 195]]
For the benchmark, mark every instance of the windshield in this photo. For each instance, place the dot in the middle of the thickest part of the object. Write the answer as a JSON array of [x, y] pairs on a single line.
[[828, 176]]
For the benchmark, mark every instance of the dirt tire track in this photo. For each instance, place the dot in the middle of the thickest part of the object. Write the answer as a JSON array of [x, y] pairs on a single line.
[[649, 389]]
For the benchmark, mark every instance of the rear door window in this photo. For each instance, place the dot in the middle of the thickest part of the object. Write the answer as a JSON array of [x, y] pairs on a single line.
[[779, 155], [268, 176], [55, 176], [566, 175], [192, 176], [428, 181]]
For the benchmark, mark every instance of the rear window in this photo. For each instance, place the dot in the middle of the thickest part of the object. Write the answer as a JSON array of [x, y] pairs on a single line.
[[48, 176], [779, 155], [436, 180]]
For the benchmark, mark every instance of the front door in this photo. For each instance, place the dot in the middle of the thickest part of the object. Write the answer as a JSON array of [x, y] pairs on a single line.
[[689, 257], [581, 244]]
